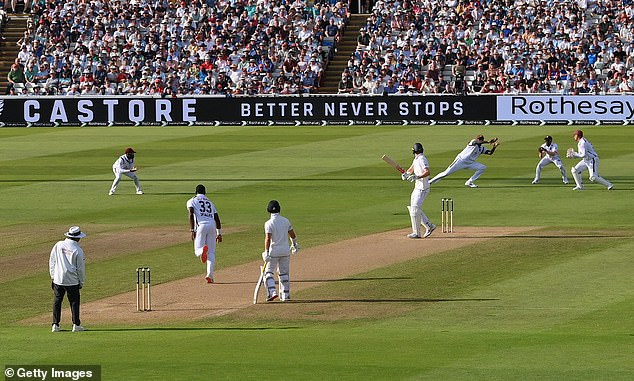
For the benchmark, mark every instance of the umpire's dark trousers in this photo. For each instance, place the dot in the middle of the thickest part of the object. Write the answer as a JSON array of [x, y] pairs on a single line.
[[73, 299]]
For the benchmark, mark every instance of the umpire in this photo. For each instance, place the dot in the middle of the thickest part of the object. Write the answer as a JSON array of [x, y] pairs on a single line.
[[67, 266]]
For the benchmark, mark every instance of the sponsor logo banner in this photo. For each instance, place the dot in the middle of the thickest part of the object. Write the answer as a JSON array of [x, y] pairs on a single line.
[[561, 107], [247, 111]]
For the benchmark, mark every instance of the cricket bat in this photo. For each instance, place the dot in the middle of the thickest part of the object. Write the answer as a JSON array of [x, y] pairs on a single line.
[[394, 164], [257, 286]]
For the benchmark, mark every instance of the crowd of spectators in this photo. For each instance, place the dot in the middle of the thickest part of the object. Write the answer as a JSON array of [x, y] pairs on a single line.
[[169, 48], [250, 47], [494, 46]]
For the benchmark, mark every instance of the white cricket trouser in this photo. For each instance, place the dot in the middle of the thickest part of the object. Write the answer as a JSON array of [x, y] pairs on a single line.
[[206, 235], [547, 160], [117, 178], [417, 216], [592, 165], [283, 267], [458, 165]]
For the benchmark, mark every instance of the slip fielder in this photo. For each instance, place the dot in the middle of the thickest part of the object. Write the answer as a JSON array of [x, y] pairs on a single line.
[[466, 159], [549, 154]]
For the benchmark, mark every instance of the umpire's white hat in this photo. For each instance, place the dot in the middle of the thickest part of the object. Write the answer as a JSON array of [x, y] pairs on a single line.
[[74, 232]]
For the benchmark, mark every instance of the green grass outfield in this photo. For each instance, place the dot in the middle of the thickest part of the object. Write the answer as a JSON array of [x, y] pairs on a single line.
[[555, 304]]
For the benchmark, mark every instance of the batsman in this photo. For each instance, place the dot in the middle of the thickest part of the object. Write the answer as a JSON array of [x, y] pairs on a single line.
[[418, 173], [277, 251]]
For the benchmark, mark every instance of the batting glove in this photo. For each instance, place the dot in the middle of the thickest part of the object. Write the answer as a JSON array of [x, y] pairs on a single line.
[[266, 256], [295, 248]]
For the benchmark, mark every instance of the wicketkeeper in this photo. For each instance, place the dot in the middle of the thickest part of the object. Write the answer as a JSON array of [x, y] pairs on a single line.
[[589, 161], [277, 251]]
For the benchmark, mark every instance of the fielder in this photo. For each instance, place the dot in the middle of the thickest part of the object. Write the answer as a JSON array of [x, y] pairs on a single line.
[[418, 173], [549, 154], [589, 161], [125, 166], [277, 252], [467, 160], [204, 224]]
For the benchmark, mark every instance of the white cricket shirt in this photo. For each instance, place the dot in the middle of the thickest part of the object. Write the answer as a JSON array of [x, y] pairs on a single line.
[[420, 163], [586, 150], [123, 164], [278, 227], [471, 152], [204, 209]]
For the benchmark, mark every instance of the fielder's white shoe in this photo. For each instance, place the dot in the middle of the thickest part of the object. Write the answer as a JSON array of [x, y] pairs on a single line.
[[430, 230], [110, 193], [470, 184], [577, 188], [565, 181], [139, 192], [55, 328], [413, 235], [534, 181], [78, 328], [611, 187]]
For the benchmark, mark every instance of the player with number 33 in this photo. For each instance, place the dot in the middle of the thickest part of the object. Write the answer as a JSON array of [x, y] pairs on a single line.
[[205, 228]]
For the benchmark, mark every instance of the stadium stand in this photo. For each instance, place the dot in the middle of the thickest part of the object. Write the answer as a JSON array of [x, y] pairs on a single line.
[[176, 47], [527, 46], [246, 47]]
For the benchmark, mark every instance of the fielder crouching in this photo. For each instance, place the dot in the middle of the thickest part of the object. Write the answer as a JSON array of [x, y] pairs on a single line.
[[277, 251]]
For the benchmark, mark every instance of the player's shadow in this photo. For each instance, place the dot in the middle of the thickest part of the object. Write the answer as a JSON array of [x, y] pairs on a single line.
[[126, 329], [350, 279], [400, 300], [330, 280]]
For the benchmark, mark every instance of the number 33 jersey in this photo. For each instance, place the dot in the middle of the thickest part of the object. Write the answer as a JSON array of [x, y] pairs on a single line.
[[204, 209]]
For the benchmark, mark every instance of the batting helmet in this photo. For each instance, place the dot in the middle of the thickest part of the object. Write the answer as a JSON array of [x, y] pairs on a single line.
[[273, 207], [417, 148], [200, 189]]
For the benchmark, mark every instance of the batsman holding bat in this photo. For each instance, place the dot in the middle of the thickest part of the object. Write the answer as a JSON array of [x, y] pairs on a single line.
[[418, 173], [277, 252]]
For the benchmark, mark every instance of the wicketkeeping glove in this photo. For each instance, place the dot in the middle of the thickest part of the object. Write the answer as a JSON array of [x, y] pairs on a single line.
[[570, 153]]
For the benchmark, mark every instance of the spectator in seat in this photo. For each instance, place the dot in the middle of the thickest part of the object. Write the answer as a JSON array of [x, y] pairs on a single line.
[[346, 85], [332, 30], [15, 75]]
